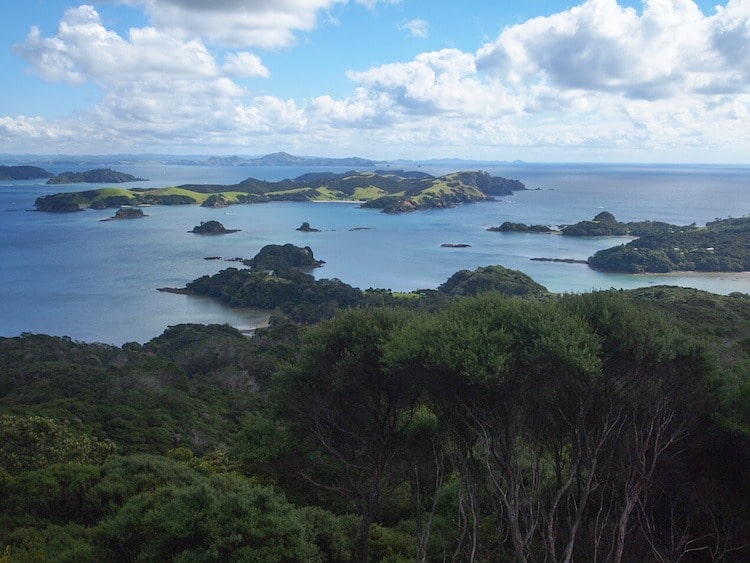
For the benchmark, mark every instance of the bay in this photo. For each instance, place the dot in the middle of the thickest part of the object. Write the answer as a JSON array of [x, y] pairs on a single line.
[[74, 275]]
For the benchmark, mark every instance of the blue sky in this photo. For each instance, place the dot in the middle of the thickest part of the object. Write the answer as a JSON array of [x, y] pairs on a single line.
[[593, 81]]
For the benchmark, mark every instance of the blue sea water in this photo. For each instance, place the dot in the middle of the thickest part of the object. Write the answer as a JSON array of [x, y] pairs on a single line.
[[74, 275]]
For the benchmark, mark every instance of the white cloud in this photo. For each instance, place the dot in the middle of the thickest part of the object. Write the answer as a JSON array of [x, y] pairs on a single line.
[[22, 126], [417, 28], [268, 114], [245, 64], [258, 23], [596, 77], [601, 46], [84, 49], [436, 83]]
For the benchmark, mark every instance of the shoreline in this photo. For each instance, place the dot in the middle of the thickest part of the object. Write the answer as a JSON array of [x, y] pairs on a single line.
[[735, 276]]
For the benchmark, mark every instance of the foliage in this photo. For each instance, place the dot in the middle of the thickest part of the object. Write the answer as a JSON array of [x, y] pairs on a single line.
[[212, 228], [283, 257], [128, 213], [131, 395], [30, 442], [510, 227], [603, 225], [297, 294], [492, 278], [722, 246]]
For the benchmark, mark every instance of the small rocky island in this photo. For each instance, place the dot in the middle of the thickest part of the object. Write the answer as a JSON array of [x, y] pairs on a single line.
[[306, 228], [510, 227], [212, 228], [284, 257], [127, 213]]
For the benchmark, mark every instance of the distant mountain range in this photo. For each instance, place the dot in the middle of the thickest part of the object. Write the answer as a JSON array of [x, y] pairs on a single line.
[[282, 159], [273, 159]]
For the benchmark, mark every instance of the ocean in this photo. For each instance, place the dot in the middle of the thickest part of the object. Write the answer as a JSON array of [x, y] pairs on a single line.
[[74, 275]]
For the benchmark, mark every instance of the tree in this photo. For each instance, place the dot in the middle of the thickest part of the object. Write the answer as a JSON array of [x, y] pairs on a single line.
[[31, 442], [508, 379], [350, 412]]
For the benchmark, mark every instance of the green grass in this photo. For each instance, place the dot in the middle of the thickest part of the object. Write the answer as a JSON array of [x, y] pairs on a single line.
[[368, 193], [104, 193], [327, 194], [403, 295], [200, 198]]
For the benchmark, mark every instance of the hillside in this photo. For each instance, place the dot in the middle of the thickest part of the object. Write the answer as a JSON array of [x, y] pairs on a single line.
[[98, 176], [23, 173]]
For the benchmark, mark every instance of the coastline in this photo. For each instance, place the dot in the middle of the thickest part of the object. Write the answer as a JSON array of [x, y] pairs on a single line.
[[731, 276]]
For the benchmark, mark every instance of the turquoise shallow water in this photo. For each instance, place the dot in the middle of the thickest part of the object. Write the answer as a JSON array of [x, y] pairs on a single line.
[[76, 276]]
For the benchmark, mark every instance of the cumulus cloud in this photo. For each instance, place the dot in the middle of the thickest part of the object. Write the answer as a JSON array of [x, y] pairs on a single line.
[[438, 82], [268, 114], [152, 82], [417, 28], [84, 49], [596, 76], [260, 23], [601, 46], [245, 64]]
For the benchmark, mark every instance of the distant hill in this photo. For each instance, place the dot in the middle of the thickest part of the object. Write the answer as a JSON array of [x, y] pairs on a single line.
[[23, 173], [282, 159], [98, 176]]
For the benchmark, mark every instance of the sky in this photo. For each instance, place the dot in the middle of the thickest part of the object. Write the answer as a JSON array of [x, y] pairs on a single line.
[[545, 81]]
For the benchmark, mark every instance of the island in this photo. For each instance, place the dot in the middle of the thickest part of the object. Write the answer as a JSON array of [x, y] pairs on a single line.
[[606, 225], [212, 228], [391, 191], [721, 246], [97, 176], [306, 228], [510, 227], [127, 213], [23, 173], [284, 257]]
